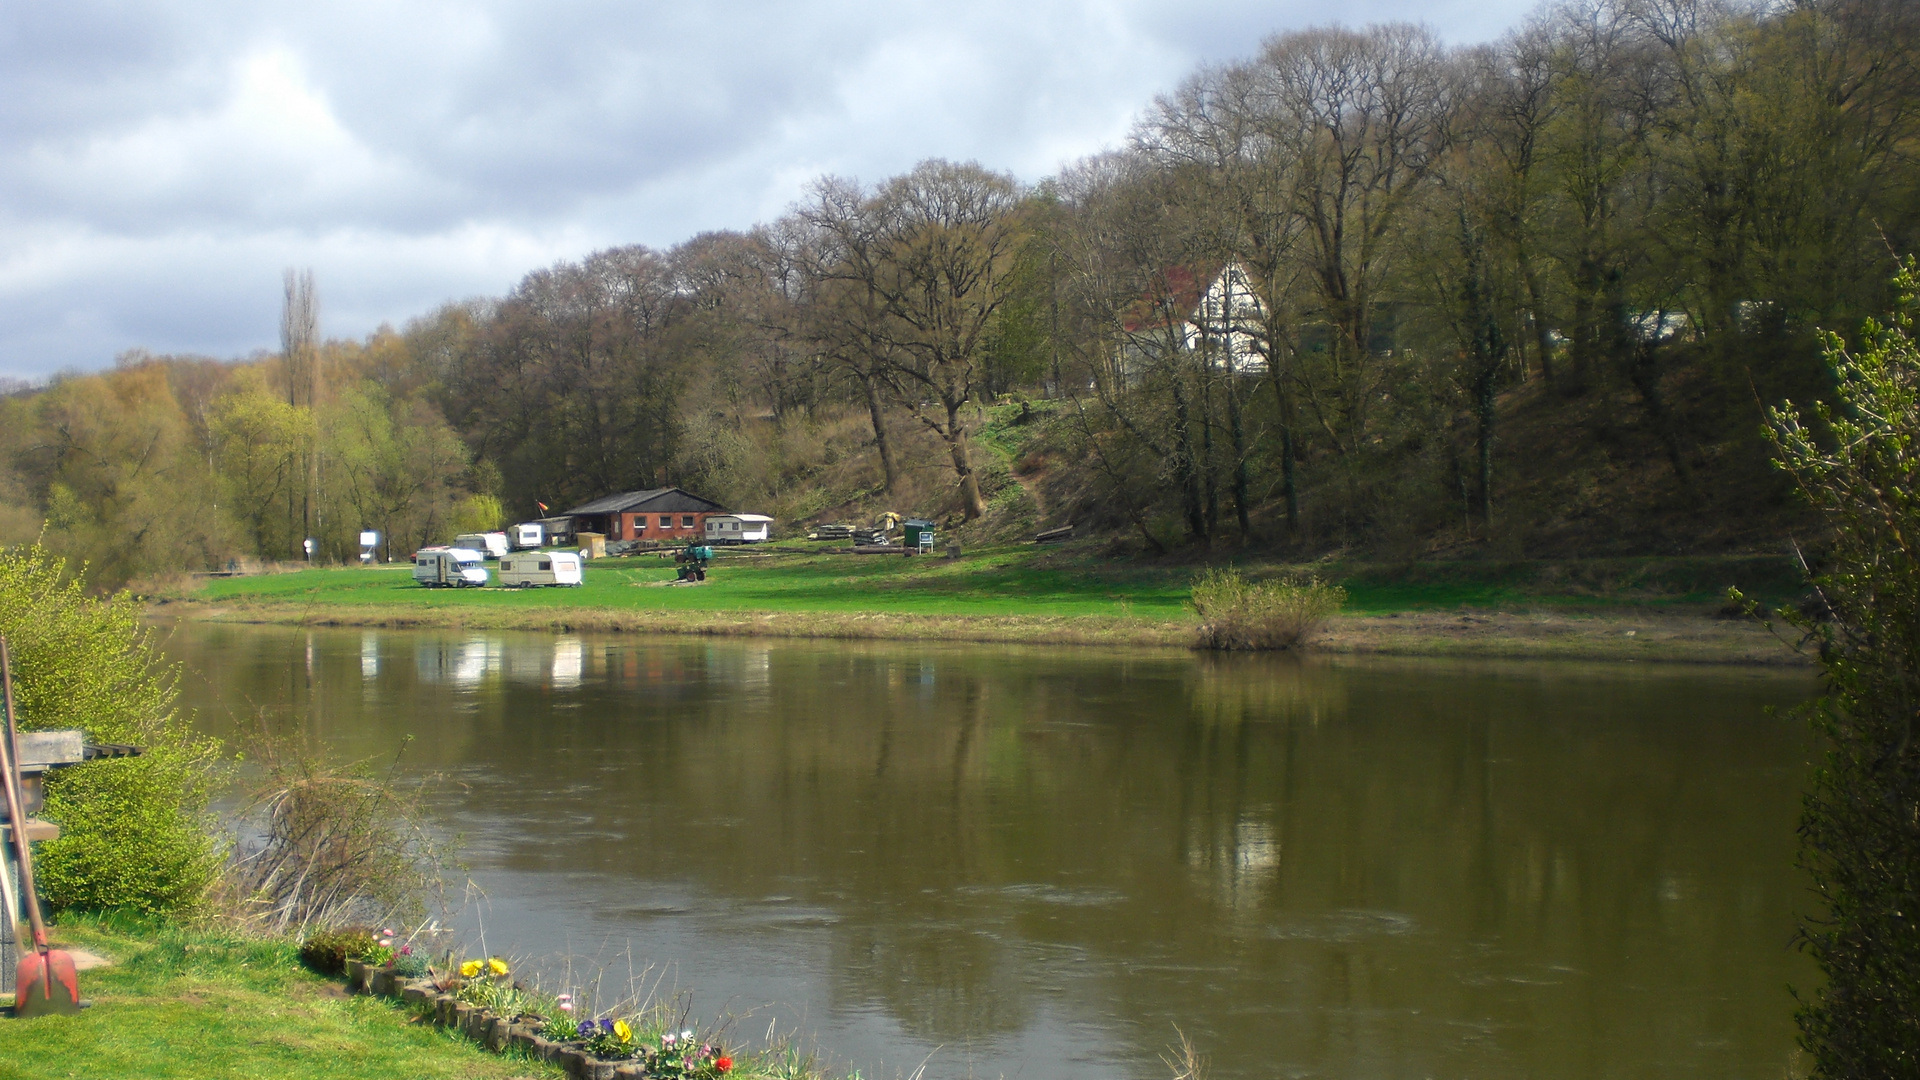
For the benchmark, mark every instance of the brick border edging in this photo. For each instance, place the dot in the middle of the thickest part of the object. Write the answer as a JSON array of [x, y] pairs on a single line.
[[491, 1030]]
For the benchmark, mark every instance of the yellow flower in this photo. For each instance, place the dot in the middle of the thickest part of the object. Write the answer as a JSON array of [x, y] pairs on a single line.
[[497, 966], [470, 968], [621, 1029]]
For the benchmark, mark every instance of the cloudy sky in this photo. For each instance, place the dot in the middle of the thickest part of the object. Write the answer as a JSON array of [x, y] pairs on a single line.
[[161, 163]]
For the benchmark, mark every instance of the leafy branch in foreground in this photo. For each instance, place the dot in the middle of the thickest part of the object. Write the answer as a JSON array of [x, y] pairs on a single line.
[[1858, 463]]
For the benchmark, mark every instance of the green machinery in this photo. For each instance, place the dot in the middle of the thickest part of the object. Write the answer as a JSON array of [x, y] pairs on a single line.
[[694, 560]]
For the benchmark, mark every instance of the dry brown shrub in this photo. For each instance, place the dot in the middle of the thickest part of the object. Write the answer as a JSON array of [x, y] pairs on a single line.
[[331, 844], [1270, 615]]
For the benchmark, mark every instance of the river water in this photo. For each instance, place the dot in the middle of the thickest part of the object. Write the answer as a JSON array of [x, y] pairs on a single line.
[[1025, 862]]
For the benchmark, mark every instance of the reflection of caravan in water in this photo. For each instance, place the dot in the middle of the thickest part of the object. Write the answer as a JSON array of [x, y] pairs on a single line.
[[569, 655], [463, 664], [450, 567], [540, 568]]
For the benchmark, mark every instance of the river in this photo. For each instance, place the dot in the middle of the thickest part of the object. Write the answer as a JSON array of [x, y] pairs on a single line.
[[1030, 862]]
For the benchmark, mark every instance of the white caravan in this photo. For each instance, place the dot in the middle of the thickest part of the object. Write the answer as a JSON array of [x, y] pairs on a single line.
[[527, 535], [492, 545], [526, 568], [738, 528], [449, 567]]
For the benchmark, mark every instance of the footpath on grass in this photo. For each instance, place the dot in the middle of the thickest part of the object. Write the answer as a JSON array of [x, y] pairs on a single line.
[[203, 1005], [1616, 609]]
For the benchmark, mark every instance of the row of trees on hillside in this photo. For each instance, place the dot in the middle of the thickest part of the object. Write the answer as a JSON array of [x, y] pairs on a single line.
[[1298, 306], [1648, 202]]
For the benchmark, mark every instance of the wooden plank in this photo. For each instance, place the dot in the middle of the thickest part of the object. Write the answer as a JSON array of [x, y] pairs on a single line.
[[39, 749], [37, 830]]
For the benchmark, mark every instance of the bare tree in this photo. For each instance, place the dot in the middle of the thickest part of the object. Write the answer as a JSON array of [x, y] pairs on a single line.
[[1366, 115], [300, 363], [928, 260], [300, 338], [844, 313], [1134, 266]]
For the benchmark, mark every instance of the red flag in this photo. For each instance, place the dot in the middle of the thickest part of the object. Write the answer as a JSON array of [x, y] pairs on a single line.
[[542, 506]]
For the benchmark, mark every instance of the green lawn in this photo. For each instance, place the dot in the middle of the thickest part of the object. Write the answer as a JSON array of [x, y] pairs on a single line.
[[188, 1004], [993, 582], [1018, 580]]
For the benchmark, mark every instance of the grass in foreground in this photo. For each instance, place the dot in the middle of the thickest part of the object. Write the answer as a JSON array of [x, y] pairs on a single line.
[[199, 1004]]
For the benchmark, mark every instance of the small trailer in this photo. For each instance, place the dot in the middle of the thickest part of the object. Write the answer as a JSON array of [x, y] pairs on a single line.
[[490, 545], [738, 528], [449, 568], [526, 536], [530, 568]]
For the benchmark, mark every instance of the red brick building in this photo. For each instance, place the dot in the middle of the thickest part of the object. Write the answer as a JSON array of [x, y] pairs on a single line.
[[664, 514]]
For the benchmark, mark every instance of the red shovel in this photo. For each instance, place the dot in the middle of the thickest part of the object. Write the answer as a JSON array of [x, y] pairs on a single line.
[[47, 984]]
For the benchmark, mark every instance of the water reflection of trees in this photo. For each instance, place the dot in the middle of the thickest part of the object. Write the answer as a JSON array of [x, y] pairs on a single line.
[[1372, 869]]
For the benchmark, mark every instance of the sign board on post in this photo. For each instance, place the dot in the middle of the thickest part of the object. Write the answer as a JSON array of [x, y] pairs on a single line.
[[369, 540]]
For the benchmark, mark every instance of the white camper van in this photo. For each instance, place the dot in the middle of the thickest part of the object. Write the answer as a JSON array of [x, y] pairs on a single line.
[[527, 535], [526, 568], [737, 528], [491, 545], [449, 567]]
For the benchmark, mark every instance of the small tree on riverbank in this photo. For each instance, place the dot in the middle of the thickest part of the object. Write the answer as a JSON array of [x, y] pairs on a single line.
[[1858, 462], [134, 832]]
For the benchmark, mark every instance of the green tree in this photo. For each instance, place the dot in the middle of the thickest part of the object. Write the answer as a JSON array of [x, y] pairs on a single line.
[[1858, 462], [135, 832], [123, 480], [259, 442], [395, 466]]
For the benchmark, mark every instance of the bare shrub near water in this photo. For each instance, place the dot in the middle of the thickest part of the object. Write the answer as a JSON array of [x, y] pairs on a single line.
[[1269, 615], [334, 844], [1185, 1061]]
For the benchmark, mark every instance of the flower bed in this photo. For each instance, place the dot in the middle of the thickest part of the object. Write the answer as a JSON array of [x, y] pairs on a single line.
[[484, 1006]]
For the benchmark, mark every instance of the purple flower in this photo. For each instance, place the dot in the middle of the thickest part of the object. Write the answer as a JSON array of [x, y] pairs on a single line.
[[406, 950], [606, 1024], [587, 1028]]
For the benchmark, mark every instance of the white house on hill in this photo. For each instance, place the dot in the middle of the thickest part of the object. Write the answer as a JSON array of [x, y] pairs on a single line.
[[1224, 322]]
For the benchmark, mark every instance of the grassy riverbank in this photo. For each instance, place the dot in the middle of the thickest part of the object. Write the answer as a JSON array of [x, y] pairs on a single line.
[[202, 1004], [1606, 609]]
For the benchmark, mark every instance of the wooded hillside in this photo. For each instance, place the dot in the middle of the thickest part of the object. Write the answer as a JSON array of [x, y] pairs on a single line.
[[1360, 291]]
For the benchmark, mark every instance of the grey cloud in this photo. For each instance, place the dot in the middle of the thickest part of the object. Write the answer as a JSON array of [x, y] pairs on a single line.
[[159, 163]]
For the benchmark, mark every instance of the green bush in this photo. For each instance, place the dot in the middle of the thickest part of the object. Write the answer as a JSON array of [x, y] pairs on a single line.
[[1239, 614], [409, 965], [327, 951], [136, 833], [1859, 464]]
